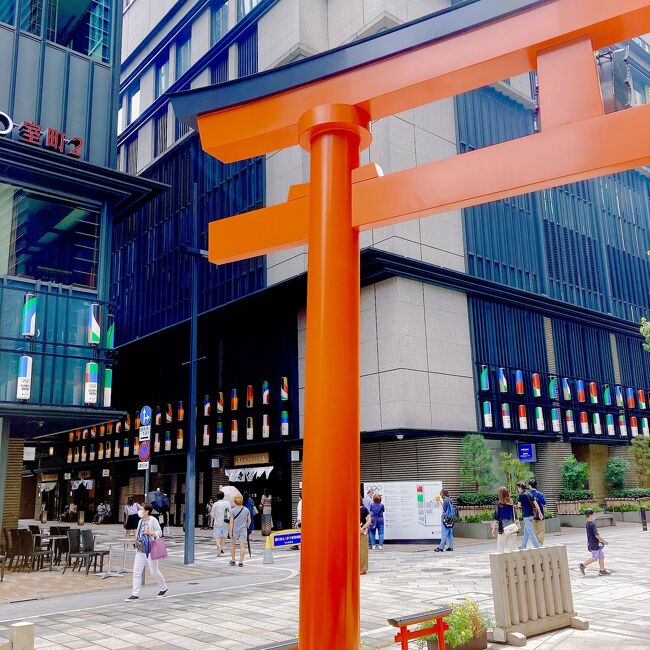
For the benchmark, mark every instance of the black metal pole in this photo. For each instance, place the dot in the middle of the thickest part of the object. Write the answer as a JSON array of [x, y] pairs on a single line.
[[190, 479], [644, 521]]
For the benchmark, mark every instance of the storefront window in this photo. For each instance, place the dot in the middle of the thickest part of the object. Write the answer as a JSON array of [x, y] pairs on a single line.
[[43, 238]]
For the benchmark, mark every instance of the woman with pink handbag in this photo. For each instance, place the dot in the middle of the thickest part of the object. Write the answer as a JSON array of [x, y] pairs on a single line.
[[149, 548]]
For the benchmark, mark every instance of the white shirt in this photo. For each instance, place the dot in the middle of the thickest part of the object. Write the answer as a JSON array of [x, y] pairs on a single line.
[[152, 524], [218, 510]]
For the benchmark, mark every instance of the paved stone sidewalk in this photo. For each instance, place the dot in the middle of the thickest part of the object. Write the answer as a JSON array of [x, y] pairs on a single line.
[[223, 613]]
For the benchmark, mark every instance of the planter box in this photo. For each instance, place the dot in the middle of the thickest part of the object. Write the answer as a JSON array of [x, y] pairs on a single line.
[[573, 507], [465, 511], [603, 520], [477, 643], [482, 530]]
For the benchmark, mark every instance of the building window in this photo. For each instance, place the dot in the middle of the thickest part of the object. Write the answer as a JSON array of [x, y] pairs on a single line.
[[245, 6], [160, 133], [181, 129], [131, 150], [162, 75], [120, 119], [219, 69], [182, 55], [219, 23], [133, 103], [31, 16], [8, 12]]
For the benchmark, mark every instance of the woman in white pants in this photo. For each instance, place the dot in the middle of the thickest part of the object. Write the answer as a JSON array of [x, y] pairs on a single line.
[[505, 524], [148, 530]]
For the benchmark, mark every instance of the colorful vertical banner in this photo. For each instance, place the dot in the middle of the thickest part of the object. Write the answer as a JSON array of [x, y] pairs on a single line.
[[136, 446], [206, 435], [634, 426], [520, 388], [593, 392], [584, 423], [206, 405], [180, 411], [109, 429], [219, 402], [126, 447], [523, 417], [84, 455], [618, 393], [77, 434], [284, 423], [641, 399], [28, 321], [249, 428], [487, 415], [234, 431], [566, 389], [234, 400], [158, 416], [156, 442], [506, 420], [645, 427], [249, 396], [539, 418], [100, 451], [24, 380], [581, 394], [93, 432], [609, 423], [622, 425], [607, 395], [108, 451], [108, 387], [631, 402], [110, 336], [179, 439], [168, 440], [556, 420], [91, 453], [136, 419], [536, 381], [84, 434], [116, 449], [127, 422], [266, 429], [91, 382], [220, 432], [168, 414], [69, 456], [94, 331], [484, 378], [502, 379], [266, 395], [76, 454], [595, 420], [553, 390], [570, 421], [70, 436], [284, 389]]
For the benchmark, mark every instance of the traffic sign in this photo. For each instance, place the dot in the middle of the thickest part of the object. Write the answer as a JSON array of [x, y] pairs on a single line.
[[145, 451], [145, 415], [144, 433], [143, 464]]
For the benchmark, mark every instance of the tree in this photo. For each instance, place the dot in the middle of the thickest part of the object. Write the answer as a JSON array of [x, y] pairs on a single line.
[[574, 473], [645, 333], [475, 463], [641, 451], [615, 472], [514, 470]]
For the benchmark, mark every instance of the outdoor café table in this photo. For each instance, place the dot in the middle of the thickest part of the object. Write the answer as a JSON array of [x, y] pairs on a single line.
[[109, 573], [56, 544]]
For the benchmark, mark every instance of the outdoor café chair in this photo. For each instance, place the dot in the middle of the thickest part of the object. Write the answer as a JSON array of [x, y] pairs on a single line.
[[88, 543], [75, 553], [12, 546], [32, 553]]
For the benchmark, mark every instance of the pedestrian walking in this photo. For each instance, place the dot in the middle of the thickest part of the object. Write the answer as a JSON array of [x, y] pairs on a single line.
[[539, 525], [238, 529], [595, 545], [505, 525], [446, 522], [220, 514], [208, 514], [147, 531], [364, 523], [131, 519], [266, 505], [377, 510], [528, 507]]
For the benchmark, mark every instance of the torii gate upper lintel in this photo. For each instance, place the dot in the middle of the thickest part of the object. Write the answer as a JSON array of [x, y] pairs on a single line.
[[326, 104]]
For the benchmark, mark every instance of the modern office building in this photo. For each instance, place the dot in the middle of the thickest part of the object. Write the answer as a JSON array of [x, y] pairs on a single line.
[[59, 197], [474, 320]]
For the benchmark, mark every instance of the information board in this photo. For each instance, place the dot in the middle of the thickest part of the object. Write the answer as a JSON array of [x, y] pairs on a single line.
[[412, 512]]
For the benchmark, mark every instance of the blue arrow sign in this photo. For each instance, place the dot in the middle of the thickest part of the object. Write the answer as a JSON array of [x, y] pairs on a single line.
[[145, 416]]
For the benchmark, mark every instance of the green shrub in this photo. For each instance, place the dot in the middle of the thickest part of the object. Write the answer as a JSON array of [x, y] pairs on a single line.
[[476, 499], [623, 507], [466, 622], [575, 495], [630, 493], [488, 515], [585, 506], [615, 471], [574, 473], [475, 462]]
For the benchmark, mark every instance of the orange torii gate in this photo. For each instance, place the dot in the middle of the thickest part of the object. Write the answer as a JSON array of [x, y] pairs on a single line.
[[325, 104]]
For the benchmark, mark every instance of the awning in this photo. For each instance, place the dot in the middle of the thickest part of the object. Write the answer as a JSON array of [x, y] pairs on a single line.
[[241, 474], [87, 483], [47, 487]]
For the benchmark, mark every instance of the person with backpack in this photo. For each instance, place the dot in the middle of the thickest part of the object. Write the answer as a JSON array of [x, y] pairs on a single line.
[[539, 525], [505, 525], [529, 508], [446, 523]]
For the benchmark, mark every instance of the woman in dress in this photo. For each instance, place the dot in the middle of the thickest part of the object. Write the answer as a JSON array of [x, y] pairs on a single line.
[[131, 518], [446, 523], [505, 515], [265, 506]]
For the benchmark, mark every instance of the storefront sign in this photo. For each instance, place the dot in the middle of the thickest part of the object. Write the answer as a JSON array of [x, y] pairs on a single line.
[[29, 453], [286, 538], [248, 473], [527, 453], [106, 473], [37, 135], [252, 459], [143, 464], [85, 473], [24, 379], [144, 434], [67, 476], [49, 477]]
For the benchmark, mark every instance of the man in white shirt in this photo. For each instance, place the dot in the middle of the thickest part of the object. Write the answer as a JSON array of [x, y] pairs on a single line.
[[367, 500], [220, 517]]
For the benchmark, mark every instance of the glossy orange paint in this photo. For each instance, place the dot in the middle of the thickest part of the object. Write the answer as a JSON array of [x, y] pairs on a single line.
[[329, 576], [508, 47]]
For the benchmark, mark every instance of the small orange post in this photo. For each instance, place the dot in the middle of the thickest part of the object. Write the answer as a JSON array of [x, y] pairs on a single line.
[[329, 578]]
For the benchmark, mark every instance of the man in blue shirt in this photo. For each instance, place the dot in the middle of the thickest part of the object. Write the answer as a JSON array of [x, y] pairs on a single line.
[[529, 508], [538, 524]]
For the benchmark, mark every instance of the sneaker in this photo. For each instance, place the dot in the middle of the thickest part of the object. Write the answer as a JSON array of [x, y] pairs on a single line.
[[582, 568], [373, 547], [222, 552], [232, 563], [450, 549], [604, 572], [131, 598], [241, 564], [437, 549], [162, 594], [381, 548]]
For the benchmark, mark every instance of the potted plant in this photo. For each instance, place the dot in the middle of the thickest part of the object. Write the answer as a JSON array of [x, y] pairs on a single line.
[[468, 628]]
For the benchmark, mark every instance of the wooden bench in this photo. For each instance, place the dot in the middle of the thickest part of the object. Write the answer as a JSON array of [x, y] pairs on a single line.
[[282, 645], [405, 635]]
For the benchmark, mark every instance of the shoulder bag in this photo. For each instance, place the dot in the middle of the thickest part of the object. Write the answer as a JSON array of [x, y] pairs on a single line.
[[158, 549], [513, 528]]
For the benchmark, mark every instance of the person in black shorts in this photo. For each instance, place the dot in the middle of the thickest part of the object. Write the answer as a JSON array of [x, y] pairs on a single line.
[[595, 545]]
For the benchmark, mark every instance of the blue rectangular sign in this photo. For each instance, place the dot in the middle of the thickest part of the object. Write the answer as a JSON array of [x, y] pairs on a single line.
[[526, 453], [286, 540]]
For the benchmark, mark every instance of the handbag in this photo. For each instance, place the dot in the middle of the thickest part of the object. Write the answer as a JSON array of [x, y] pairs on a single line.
[[158, 549], [512, 528]]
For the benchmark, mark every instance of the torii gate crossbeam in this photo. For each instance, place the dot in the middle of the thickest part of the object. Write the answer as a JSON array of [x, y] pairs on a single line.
[[326, 104]]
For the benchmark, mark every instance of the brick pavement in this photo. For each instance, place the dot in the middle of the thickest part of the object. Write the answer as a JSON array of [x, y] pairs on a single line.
[[221, 612]]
